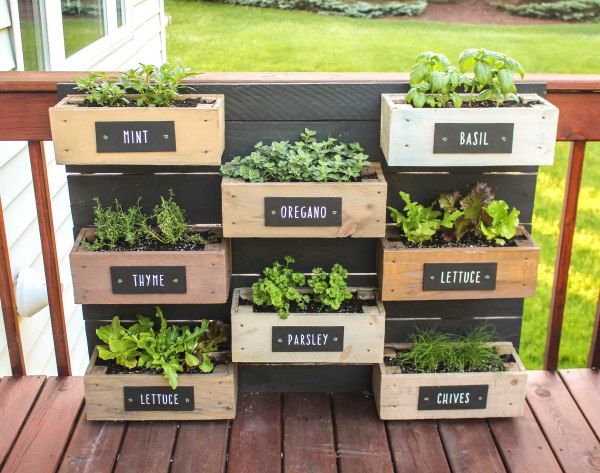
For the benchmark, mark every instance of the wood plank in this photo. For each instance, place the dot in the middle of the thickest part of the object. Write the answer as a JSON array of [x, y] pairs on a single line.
[[572, 440], [361, 438], [416, 447], [17, 398], [48, 427], [256, 434], [454, 309], [308, 443], [93, 447], [584, 386], [201, 446], [147, 446], [594, 355], [522, 444], [469, 446]]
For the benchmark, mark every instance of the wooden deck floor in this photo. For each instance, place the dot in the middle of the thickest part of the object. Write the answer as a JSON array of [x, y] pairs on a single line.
[[43, 428]]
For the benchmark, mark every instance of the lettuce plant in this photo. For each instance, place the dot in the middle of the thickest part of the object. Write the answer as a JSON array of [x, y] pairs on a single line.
[[169, 349]]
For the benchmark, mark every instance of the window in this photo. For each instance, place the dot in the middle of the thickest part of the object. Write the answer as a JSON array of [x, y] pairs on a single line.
[[31, 23], [120, 12], [84, 21]]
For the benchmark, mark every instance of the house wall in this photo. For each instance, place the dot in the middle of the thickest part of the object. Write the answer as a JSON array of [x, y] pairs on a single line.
[[142, 40]]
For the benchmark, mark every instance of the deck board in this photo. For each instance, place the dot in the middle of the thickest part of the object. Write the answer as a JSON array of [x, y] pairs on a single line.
[[44, 428], [563, 424], [17, 396], [48, 428]]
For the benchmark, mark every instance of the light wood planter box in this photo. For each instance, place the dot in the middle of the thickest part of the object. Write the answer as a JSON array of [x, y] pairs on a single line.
[[139, 135], [107, 395], [499, 136], [190, 277], [357, 208], [405, 396], [412, 274], [258, 337]]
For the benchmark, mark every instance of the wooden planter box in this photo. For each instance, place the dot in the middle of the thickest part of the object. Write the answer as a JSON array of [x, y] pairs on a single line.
[[412, 274], [305, 209], [169, 277], [258, 337], [129, 396], [495, 136], [450, 395], [139, 135]]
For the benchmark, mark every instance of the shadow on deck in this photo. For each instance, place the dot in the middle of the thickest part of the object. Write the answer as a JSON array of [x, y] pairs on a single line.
[[43, 428]]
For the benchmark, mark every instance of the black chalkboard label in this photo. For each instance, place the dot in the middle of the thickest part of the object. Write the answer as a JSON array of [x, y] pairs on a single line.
[[303, 211], [158, 398], [459, 276], [308, 339], [138, 137], [441, 398], [148, 279], [465, 138]]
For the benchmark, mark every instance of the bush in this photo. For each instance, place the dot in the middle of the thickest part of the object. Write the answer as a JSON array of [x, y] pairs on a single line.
[[567, 10], [358, 9]]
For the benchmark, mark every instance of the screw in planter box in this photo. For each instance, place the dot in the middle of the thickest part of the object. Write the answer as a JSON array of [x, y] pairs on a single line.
[[460, 247], [441, 376], [285, 318], [169, 372], [309, 189], [158, 124], [467, 116], [130, 258]]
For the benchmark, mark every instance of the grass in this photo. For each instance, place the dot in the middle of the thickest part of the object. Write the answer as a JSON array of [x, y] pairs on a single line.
[[216, 37]]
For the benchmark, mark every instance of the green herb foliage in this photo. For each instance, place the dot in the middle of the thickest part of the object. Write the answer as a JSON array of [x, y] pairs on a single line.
[[116, 225], [307, 160], [436, 352], [477, 213], [169, 349], [157, 86], [485, 75], [330, 289], [281, 286]]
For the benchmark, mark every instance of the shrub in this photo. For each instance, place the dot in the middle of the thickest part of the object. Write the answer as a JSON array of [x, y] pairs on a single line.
[[307, 160], [567, 10]]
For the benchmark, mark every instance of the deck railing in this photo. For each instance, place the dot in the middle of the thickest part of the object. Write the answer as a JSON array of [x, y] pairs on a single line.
[[26, 96]]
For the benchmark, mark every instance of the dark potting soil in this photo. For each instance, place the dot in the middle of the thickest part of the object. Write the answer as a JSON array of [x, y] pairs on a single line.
[[349, 306], [149, 244], [190, 102], [113, 368], [388, 361], [468, 241], [492, 104]]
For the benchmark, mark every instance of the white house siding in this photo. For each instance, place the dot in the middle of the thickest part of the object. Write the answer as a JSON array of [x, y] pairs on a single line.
[[144, 41]]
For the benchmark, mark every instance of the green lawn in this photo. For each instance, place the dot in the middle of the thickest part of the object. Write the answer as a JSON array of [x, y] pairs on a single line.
[[215, 37]]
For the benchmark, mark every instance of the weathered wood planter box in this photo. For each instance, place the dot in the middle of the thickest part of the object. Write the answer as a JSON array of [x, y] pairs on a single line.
[[306, 338], [139, 135], [149, 396], [306, 209], [450, 395], [410, 274], [494, 136], [151, 277]]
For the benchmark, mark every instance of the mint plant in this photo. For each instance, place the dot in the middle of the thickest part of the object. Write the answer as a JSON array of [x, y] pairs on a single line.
[[307, 160], [170, 350], [280, 287], [157, 86], [101, 90], [330, 289]]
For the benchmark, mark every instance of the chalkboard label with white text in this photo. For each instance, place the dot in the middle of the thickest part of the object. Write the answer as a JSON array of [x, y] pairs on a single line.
[[459, 276], [308, 339], [138, 137], [441, 398], [148, 279], [158, 398], [465, 138], [303, 211]]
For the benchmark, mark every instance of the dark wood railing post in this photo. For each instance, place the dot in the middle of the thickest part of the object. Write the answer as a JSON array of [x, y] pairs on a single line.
[[594, 358], [563, 254], [43, 202], [9, 305]]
